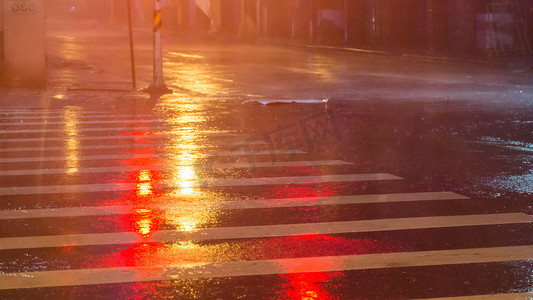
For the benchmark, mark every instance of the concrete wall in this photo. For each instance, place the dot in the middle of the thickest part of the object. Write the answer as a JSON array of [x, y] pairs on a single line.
[[24, 43], [1, 42]]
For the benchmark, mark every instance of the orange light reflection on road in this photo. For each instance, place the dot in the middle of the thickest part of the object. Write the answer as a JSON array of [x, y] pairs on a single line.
[[185, 148], [72, 153], [198, 78]]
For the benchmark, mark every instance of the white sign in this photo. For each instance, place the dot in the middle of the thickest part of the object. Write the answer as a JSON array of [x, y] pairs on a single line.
[[22, 6]]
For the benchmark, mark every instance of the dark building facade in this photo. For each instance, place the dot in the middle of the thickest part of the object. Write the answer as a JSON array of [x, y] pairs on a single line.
[[441, 27]]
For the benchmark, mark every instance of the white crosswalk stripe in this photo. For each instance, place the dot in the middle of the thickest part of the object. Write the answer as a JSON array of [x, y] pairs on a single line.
[[48, 123], [109, 187], [262, 231], [510, 296], [158, 167], [263, 267], [125, 128], [249, 204], [115, 137], [133, 155], [21, 117], [306, 186]]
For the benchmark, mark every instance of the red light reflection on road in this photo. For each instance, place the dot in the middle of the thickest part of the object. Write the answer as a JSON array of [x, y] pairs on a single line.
[[308, 286], [301, 284], [303, 191], [143, 133], [144, 219], [145, 191]]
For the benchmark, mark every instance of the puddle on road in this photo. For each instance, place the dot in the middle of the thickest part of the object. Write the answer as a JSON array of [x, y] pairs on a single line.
[[515, 183], [509, 144]]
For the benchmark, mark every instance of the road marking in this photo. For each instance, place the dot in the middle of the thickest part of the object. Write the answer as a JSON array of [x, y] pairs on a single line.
[[61, 116], [66, 189], [258, 152], [202, 166], [80, 147], [263, 231], [271, 164], [80, 158], [162, 129], [231, 205], [123, 122], [301, 179], [133, 155], [134, 146], [108, 187], [108, 137], [47, 111], [262, 267], [510, 296], [79, 171]]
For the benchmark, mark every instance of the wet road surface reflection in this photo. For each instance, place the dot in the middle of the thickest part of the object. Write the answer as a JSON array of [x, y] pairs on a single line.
[[216, 200]]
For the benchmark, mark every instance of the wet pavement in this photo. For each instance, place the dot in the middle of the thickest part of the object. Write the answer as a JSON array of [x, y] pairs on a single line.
[[415, 180]]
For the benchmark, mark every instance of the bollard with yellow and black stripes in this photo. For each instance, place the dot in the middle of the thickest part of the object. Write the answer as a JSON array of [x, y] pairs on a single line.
[[158, 85], [158, 24]]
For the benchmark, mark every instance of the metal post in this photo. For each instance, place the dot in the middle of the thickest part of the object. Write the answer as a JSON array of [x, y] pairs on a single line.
[[293, 17], [259, 18], [158, 84], [312, 22], [375, 22], [346, 16], [242, 19], [430, 32], [132, 52]]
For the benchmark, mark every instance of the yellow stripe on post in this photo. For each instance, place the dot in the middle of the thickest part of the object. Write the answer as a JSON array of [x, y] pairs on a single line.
[[157, 21]]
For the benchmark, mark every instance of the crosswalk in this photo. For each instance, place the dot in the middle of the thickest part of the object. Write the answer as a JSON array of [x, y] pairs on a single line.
[[137, 208]]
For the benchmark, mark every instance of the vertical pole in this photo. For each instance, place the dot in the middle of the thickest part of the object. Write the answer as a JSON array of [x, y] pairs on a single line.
[[312, 22], [132, 52], [375, 20], [430, 33], [259, 18], [346, 22], [1, 41], [192, 16], [242, 19], [158, 85], [293, 16]]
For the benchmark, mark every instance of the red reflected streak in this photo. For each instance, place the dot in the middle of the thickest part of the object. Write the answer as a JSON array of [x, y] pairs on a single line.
[[143, 133], [141, 162], [144, 223], [308, 286], [303, 191], [140, 159], [137, 255]]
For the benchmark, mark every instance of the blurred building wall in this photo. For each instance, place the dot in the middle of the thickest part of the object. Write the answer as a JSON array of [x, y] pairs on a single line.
[[24, 51], [443, 27]]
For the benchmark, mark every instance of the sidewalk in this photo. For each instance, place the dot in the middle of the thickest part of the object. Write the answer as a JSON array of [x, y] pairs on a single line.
[[91, 65]]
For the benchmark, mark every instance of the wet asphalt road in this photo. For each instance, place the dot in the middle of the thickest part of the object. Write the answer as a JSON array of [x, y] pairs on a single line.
[[417, 187]]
